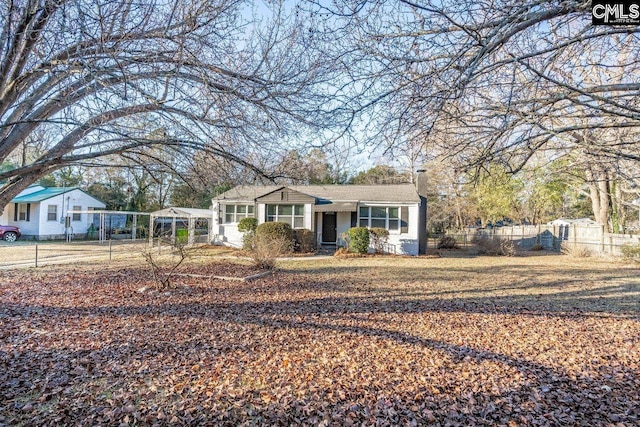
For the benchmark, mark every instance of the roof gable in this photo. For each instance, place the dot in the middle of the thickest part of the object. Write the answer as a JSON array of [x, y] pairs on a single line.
[[47, 193], [286, 195]]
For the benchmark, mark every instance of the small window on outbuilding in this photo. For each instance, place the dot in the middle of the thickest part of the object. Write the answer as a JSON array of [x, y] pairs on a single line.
[[76, 216], [52, 212]]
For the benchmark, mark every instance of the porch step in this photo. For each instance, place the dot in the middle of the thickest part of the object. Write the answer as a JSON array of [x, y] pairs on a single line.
[[326, 250]]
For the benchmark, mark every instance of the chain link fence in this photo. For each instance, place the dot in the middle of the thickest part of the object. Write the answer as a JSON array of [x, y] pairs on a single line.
[[42, 253]]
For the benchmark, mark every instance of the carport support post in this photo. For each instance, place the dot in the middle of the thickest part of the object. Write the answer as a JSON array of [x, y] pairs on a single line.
[[173, 231], [151, 230], [192, 231]]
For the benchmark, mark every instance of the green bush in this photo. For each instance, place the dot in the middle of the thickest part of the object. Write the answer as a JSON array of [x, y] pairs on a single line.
[[248, 227], [304, 240], [358, 238], [248, 224], [182, 236], [379, 237]]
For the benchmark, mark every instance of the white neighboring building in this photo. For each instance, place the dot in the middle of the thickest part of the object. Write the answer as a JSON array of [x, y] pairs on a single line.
[[327, 210], [40, 212]]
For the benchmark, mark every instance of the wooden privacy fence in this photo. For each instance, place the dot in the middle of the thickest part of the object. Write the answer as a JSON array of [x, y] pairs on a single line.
[[555, 237]]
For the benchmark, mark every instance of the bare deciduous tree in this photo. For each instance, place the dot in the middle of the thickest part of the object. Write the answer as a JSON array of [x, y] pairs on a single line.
[[77, 79], [503, 81], [493, 79]]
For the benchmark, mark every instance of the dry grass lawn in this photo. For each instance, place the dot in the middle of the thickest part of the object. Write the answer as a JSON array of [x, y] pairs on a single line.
[[540, 340]]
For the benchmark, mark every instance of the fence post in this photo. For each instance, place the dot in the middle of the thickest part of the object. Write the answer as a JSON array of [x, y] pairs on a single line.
[[610, 244], [602, 239], [36, 255], [575, 236], [110, 249]]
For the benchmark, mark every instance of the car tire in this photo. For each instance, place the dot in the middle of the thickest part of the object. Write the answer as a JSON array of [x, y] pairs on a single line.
[[10, 236]]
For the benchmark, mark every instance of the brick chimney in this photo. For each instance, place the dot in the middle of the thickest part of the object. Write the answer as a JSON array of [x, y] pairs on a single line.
[[421, 187]]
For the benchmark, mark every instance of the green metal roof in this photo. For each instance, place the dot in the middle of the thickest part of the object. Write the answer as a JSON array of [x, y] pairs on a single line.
[[38, 196]]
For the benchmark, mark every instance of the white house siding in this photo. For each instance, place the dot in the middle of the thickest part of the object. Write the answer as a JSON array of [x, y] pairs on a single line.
[[228, 234], [343, 224], [308, 216], [27, 228], [403, 243], [55, 229], [407, 243], [31, 227], [51, 229], [232, 236], [261, 212]]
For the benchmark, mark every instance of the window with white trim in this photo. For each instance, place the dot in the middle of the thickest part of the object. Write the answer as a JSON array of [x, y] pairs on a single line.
[[379, 216], [76, 216], [52, 212], [291, 214], [234, 213]]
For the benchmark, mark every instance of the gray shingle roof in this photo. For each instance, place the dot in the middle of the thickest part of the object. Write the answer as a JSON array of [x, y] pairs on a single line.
[[398, 193]]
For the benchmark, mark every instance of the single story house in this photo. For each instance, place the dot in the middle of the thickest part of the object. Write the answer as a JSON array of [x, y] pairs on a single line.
[[327, 210], [43, 212]]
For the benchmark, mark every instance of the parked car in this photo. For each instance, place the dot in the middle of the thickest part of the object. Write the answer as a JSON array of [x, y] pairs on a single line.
[[9, 233]]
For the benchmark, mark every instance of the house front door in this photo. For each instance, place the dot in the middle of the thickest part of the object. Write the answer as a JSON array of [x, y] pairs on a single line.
[[329, 224]]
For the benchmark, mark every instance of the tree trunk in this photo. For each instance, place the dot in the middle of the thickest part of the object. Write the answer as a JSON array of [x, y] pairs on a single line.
[[598, 182], [13, 187]]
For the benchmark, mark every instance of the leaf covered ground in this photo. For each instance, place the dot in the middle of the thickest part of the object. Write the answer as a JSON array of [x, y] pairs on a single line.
[[377, 341]]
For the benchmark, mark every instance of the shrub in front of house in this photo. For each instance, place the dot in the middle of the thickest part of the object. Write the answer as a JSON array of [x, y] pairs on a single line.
[[379, 237], [271, 240], [358, 239], [304, 240], [248, 228], [276, 231], [248, 224]]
